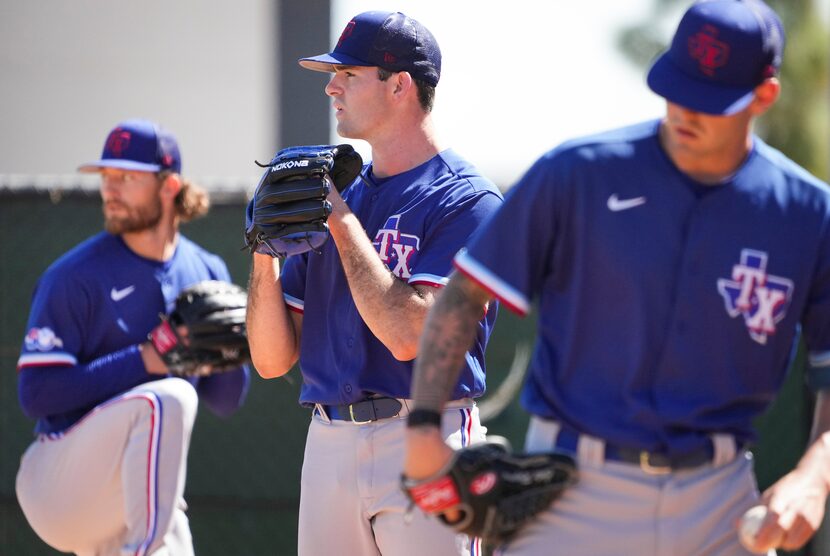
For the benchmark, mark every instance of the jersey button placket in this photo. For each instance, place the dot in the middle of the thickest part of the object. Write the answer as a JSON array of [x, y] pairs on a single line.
[[167, 288], [687, 277]]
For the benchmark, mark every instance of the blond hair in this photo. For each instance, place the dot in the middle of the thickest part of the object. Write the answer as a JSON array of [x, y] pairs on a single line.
[[192, 201]]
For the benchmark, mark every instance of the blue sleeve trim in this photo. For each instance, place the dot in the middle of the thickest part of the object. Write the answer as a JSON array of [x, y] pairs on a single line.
[[494, 284]]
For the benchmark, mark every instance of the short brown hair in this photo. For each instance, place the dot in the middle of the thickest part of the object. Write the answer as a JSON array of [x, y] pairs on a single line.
[[426, 92]]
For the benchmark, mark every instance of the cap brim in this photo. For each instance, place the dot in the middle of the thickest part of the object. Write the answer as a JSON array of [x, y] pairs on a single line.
[[326, 62], [119, 164], [669, 82]]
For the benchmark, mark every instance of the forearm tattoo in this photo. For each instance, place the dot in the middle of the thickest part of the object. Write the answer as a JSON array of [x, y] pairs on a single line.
[[448, 333]]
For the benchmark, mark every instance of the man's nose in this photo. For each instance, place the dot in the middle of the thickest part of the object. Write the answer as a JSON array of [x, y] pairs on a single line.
[[333, 86]]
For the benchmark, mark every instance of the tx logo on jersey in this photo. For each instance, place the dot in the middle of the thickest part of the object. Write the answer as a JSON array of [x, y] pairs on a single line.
[[395, 248], [761, 298], [42, 339]]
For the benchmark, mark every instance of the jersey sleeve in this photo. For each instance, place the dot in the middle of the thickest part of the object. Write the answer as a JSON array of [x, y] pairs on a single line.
[[816, 321], [224, 393], [54, 330], [218, 269], [292, 279], [513, 252], [53, 376], [453, 228]]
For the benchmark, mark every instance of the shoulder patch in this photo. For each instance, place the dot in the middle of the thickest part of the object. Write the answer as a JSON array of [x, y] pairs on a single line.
[[42, 339]]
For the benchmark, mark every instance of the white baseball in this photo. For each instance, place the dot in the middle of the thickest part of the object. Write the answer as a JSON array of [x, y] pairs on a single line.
[[749, 526]]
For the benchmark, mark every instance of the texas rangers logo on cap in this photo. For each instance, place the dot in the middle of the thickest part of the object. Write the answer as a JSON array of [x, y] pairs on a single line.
[[722, 50], [347, 32], [760, 298], [118, 141], [708, 50]]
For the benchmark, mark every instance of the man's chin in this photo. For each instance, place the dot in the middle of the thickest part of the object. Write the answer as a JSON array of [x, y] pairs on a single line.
[[121, 226], [114, 226], [345, 132]]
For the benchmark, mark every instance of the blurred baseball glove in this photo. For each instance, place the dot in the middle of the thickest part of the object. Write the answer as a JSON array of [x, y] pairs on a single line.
[[205, 332], [496, 492], [288, 212]]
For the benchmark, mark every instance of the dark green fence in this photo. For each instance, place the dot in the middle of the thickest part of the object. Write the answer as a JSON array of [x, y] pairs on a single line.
[[243, 472]]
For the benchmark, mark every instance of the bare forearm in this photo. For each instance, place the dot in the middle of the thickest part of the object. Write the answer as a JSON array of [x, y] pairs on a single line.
[[272, 337], [448, 333], [817, 456], [392, 309]]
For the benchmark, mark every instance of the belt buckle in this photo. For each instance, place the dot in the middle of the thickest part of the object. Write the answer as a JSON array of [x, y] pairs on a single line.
[[355, 421], [646, 466]]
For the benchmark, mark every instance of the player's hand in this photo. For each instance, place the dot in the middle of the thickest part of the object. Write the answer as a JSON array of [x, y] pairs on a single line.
[[426, 452], [796, 503], [153, 363], [338, 205]]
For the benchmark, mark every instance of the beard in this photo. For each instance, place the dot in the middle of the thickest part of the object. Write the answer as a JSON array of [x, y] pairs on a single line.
[[137, 219]]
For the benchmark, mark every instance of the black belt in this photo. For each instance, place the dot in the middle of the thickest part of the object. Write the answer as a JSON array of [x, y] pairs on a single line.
[[650, 462], [365, 411], [654, 462]]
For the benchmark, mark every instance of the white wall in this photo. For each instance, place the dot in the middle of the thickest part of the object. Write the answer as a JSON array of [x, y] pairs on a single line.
[[71, 69]]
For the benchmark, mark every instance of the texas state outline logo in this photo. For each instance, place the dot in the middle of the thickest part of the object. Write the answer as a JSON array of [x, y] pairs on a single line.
[[396, 249], [760, 298]]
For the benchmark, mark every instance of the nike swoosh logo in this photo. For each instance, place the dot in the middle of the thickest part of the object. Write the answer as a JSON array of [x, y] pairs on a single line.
[[118, 295], [616, 204]]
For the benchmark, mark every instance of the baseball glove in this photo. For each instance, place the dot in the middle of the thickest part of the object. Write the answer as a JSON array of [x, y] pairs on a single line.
[[495, 491], [205, 332], [288, 212]]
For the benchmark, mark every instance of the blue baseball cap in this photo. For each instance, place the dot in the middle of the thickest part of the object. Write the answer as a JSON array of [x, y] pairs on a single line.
[[721, 51], [138, 145], [388, 40]]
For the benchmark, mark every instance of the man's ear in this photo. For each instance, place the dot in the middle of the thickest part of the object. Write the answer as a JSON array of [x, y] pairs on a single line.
[[765, 96], [171, 186], [403, 84]]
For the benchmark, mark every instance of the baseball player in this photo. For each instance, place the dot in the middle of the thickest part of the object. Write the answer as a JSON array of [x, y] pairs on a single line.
[[352, 312], [675, 262], [107, 470]]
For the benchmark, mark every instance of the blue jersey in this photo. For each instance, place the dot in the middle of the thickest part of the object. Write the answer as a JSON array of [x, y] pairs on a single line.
[[91, 309], [667, 309], [417, 221]]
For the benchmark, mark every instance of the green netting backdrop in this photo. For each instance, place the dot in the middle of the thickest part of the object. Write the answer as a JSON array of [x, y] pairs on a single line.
[[243, 473]]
